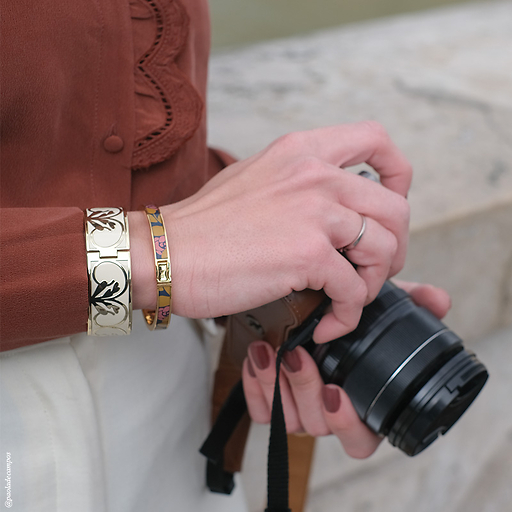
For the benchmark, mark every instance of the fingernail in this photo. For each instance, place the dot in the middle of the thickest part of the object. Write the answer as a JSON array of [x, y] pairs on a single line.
[[331, 398], [260, 356], [250, 368], [291, 361]]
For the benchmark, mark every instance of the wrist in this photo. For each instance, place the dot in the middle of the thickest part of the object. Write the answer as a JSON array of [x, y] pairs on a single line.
[[143, 265]]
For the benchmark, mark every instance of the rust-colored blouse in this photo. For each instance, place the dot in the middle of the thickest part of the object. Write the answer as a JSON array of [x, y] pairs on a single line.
[[102, 104]]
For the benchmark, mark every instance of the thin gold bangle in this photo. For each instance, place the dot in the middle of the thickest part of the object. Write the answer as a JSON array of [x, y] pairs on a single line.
[[160, 318]]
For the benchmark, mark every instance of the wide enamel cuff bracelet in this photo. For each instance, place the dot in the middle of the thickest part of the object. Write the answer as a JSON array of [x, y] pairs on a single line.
[[109, 269]]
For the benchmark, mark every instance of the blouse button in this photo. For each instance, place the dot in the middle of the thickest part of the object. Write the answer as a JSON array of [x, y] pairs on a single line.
[[113, 144]]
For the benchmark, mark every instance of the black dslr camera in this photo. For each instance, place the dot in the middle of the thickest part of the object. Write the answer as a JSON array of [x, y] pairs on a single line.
[[407, 375]]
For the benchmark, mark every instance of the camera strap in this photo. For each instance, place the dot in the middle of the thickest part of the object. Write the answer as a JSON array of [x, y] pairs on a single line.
[[277, 461], [221, 481], [217, 478]]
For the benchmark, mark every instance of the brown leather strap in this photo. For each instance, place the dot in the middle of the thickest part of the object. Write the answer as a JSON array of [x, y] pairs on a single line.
[[300, 454], [226, 377]]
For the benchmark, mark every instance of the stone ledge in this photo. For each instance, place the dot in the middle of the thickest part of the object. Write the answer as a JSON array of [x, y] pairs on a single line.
[[470, 256]]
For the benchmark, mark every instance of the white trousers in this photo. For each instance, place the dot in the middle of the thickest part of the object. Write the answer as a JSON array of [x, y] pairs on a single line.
[[109, 424]]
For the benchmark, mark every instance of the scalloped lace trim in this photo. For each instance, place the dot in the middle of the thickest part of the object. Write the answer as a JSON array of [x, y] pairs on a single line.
[[167, 106]]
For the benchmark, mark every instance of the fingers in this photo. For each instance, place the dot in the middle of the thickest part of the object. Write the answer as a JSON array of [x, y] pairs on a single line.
[[387, 208], [350, 289], [257, 405], [351, 144], [259, 376], [346, 145], [309, 405], [349, 293], [306, 386], [342, 419], [374, 255], [435, 299]]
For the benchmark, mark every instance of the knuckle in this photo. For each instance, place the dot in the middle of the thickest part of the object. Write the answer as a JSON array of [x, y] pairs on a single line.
[[403, 209], [359, 452], [310, 171], [359, 292], [303, 380], [358, 300], [346, 426], [290, 142], [266, 377], [408, 170], [316, 205], [309, 164], [293, 426], [260, 417], [318, 430], [378, 281], [352, 321], [313, 251], [391, 246], [310, 261], [376, 129]]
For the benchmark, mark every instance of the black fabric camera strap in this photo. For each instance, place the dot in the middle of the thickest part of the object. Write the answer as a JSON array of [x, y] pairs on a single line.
[[221, 481], [277, 464], [217, 479]]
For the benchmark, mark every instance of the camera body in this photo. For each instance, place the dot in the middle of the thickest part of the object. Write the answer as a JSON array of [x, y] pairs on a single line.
[[408, 376]]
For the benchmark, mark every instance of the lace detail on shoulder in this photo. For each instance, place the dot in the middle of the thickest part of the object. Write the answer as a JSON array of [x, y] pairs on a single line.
[[168, 108]]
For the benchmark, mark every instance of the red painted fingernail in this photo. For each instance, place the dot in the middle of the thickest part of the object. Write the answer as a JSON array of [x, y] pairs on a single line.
[[331, 398], [259, 355], [291, 361], [250, 368]]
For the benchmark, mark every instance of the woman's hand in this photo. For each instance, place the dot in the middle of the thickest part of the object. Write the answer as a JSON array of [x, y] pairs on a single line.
[[309, 405], [273, 223]]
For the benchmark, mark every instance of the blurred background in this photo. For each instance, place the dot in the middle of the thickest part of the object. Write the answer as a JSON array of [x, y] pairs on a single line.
[[237, 22], [438, 76]]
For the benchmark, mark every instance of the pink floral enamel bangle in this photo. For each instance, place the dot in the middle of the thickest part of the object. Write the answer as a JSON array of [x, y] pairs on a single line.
[[160, 318]]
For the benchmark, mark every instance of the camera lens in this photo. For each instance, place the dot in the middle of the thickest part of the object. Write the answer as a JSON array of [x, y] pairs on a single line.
[[407, 375]]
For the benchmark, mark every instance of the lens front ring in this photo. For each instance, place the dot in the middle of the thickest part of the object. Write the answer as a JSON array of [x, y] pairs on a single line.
[[399, 369]]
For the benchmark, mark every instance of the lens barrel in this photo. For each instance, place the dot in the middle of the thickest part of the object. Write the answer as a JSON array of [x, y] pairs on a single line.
[[407, 375]]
